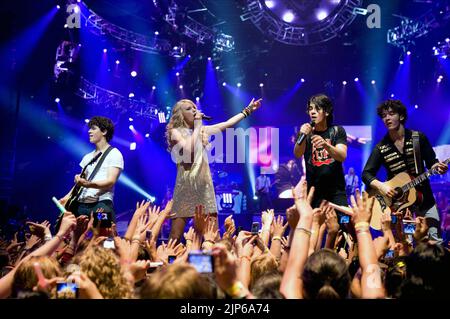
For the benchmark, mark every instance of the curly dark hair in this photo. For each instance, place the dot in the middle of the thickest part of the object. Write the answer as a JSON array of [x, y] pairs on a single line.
[[323, 102], [104, 124], [396, 106]]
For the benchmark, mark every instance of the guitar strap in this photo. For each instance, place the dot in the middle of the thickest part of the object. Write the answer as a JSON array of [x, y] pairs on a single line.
[[416, 151], [99, 163]]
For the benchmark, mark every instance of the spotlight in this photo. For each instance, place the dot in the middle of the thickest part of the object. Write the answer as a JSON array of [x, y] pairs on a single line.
[[147, 135], [344, 82], [181, 86], [447, 40], [58, 6], [441, 76], [133, 146], [373, 82], [288, 17], [156, 33], [131, 95], [224, 83], [162, 117], [356, 79], [197, 99], [133, 73], [86, 121], [261, 85], [322, 14], [302, 80], [117, 62], [131, 127], [239, 85], [105, 50], [153, 87], [209, 58], [65, 26], [401, 62], [177, 74], [408, 53], [217, 67], [439, 80], [392, 95], [416, 106], [130, 119], [269, 4], [57, 100], [255, 197]]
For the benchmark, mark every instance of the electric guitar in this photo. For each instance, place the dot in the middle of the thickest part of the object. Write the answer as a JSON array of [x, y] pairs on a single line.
[[407, 195], [72, 204]]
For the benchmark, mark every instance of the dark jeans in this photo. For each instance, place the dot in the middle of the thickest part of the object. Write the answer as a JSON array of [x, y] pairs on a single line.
[[88, 208]]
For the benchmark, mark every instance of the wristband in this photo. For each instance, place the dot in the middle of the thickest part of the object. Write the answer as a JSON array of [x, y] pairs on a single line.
[[48, 237], [276, 238], [366, 224], [304, 230], [210, 241]]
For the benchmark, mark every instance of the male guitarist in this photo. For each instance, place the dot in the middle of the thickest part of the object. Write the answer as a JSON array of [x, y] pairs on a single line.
[[98, 191], [396, 153]]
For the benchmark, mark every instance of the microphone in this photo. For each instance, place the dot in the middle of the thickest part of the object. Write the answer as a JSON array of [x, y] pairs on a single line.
[[302, 136], [206, 117]]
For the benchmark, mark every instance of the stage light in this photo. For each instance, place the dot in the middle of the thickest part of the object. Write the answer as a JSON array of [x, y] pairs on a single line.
[[76, 9], [131, 127], [439, 80], [356, 79], [408, 53], [302, 80], [416, 106], [444, 57], [344, 82], [373, 82], [270, 4], [57, 100], [288, 17], [239, 85], [261, 85], [441, 76], [401, 62], [224, 83], [177, 74], [217, 67], [147, 135], [209, 58], [130, 119], [58, 6], [322, 14], [447, 40], [197, 99], [131, 95], [86, 121], [156, 33], [133, 73], [132, 146], [392, 95], [181, 86], [255, 197], [105, 50], [162, 117], [117, 62], [153, 87]]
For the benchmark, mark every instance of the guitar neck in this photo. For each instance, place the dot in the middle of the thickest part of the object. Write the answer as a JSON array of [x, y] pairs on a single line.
[[422, 177]]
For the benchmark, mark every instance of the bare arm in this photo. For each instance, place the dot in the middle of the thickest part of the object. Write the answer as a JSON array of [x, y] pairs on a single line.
[[338, 152], [112, 176]]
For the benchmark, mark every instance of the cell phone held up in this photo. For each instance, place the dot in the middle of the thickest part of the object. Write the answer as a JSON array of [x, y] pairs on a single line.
[[202, 261], [255, 228], [66, 290]]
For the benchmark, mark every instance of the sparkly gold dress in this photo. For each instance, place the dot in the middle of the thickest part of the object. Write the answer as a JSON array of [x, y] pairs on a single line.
[[193, 185]]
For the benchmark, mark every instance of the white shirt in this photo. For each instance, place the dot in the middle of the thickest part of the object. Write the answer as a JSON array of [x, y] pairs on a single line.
[[92, 195]]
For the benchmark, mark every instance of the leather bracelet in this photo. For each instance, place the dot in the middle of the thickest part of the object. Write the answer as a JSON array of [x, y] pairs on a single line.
[[212, 242], [304, 230]]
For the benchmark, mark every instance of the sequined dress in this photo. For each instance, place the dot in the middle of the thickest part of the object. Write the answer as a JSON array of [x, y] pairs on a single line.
[[193, 186]]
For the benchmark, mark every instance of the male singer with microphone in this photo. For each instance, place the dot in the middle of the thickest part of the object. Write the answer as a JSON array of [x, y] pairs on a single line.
[[325, 149]]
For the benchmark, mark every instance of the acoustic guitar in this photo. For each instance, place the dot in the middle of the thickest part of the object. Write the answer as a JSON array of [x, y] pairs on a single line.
[[407, 195]]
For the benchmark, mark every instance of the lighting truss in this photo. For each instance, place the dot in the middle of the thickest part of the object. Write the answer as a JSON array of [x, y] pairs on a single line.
[[442, 49], [98, 96], [410, 29], [136, 41], [199, 32], [321, 31]]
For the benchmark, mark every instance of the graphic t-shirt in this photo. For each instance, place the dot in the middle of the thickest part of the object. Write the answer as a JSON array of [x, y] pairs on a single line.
[[322, 171]]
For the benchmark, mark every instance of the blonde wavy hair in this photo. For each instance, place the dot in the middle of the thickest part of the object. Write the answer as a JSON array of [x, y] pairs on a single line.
[[102, 266], [25, 276], [176, 120]]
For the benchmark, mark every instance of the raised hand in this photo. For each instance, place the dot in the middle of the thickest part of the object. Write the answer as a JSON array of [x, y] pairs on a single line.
[[278, 227], [254, 105], [292, 216], [39, 230], [200, 220], [362, 207], [303, 198], [331, 220]]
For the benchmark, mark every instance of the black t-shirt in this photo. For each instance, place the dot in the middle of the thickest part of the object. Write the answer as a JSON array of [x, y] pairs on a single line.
[[322, 171]]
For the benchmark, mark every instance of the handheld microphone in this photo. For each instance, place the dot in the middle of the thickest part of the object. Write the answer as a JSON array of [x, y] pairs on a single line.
[[206, 117], [302, 136]]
